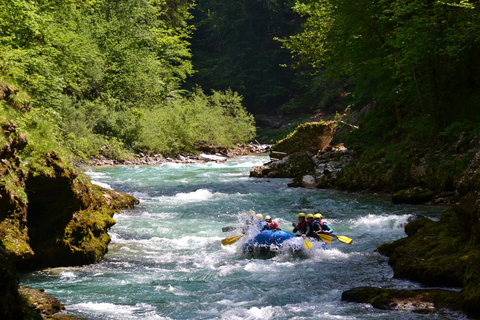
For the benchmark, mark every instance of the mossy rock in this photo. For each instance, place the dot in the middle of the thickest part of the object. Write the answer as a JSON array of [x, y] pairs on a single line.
[[40, 301], [412, 227], [420, 301], [296, 164], [310, 137], [416, 195], [440, 253], [50, 214]]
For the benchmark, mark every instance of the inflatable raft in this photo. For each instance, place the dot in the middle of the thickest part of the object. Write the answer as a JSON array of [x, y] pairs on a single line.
[[273, 241]]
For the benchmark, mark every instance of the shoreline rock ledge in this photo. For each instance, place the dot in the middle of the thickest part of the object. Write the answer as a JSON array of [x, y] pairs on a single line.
[[306, 156], [50, 214]]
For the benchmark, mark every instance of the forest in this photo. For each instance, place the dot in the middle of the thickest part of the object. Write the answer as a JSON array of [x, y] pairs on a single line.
[[161, 76]]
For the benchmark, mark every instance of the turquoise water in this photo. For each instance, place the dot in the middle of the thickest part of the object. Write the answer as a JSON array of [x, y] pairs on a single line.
[[166, 260]]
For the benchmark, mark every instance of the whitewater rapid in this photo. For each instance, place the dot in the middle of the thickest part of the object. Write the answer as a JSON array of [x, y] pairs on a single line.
[[166, 260]]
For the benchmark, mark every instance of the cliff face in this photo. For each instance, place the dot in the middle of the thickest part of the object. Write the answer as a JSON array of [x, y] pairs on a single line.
[[50, 214]]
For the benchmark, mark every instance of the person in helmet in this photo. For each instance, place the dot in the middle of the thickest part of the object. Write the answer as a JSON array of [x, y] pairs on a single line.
[[253, 220], [320, 226], [259, 223], [270, 225], [302, 226]]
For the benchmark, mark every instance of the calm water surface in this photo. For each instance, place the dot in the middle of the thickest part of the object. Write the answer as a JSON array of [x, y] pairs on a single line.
[[166, 260]]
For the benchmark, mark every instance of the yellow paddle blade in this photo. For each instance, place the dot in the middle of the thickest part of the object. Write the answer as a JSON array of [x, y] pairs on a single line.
[[231, 240], [307, 244], [325, 237], [344, 239]]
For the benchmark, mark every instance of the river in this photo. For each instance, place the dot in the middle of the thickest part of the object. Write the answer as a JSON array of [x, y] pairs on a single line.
[[166, 260]]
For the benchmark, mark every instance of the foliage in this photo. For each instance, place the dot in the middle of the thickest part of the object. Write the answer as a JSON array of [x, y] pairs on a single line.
[[410, 57], [233, 47], [191, 120], [101, 70]]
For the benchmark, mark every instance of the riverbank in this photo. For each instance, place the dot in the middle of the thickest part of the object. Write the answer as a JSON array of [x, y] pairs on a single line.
[[205, 154], [50, 214], [444, 253]]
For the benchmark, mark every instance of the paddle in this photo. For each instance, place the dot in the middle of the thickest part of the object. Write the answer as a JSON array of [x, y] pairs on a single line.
[[325, 237], [226, 229], [307, 244], [344, 239], [231, 240]]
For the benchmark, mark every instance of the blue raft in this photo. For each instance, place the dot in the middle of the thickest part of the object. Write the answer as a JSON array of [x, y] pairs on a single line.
[[272, 241]]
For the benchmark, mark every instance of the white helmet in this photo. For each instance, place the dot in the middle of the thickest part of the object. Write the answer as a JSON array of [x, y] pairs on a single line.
[[268, 218]]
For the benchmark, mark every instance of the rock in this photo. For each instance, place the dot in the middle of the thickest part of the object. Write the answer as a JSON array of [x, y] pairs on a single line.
[[410, 219], [50, 214], [214, 158], [441, 253], [308, 181], [416, 195], [10, 302], [293, 165], [420, 301], [416, 224], [40, 301], [308, 137]]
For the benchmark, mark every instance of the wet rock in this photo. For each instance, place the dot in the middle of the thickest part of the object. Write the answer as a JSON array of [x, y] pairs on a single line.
[[420, 301], [416, 195], [10, 301], [40, 301], [410, 219], [291, 166], [416, 223], [442, 253]]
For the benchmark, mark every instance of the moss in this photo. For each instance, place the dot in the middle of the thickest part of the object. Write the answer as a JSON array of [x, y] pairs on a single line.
[[310, 137], [415, 195], [442, 253], [420, 301], [50, 215]]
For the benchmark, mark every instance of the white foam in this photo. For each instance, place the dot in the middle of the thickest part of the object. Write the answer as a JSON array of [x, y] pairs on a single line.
[[376, 222], [68, 275], [268, 312], [102, 184], [105, 307]]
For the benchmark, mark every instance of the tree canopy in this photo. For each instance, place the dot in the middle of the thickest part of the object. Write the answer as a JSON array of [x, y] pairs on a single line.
[[411, 56], [233, 47], [103, 68]]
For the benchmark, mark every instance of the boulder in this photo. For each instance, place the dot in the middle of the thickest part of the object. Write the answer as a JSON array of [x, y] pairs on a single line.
[[40, 301], [293, 165], [308, 137], [416, 195], [420, 301]]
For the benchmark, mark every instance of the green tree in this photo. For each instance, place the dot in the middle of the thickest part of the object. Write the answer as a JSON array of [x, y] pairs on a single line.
[[410, 56], [234, 47]]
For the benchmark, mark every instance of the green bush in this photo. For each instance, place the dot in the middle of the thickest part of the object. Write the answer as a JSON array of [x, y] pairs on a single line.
[[218, 119]]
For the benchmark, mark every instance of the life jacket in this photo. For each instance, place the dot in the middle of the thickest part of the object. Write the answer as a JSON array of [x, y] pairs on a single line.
[[269, 226], [317, 222], [301, 225]]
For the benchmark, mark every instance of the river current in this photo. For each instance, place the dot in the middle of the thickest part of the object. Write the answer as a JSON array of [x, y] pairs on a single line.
[[166, 260]]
